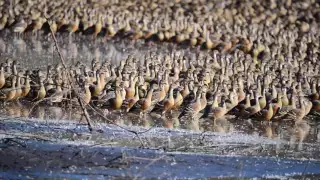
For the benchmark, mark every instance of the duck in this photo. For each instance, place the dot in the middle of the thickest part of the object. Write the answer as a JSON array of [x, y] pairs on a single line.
[[18, 88], [40, 93], [116, 102], [9, 93], [219, 112], [284, 98], [191, 110], [254, 108], [86, 96], [186, 90], [143, 105], [167, 104], [266, 114], [263, 99], [295, 114], [3, 21], [130, 91], [203, 98], [26, 87], [74, 26], [98, 87], [55, 94], [98, 26], [314, 94], [178, 100], [20, 26], [2, 76], [130, 102], [277, 105]]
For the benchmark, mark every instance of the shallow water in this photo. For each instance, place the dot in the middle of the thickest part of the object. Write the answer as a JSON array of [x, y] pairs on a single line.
[[50, 141], [39, 51]]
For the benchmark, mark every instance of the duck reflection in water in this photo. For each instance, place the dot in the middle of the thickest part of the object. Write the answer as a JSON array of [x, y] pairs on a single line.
[[298, 134]]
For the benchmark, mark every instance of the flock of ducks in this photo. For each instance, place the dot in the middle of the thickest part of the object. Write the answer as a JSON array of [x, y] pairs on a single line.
[[261, 60], [225, 26], [189, 87]]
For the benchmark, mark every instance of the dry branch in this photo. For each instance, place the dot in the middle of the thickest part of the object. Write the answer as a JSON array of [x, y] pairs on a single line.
[[131, 131], [84, 109], [71, 82]]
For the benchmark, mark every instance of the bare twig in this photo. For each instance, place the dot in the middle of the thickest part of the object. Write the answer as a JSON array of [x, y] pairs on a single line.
[[10, 118], [148, 165], [26, 136], [70, 81], [84, 109], [131, 131], [305, 169], [14, 140]]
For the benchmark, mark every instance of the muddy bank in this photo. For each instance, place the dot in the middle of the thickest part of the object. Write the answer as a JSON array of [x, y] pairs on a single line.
[[46, 160], [65, 149]]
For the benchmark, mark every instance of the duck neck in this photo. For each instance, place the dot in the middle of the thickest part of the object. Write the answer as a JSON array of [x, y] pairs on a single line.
[[292, 101], [303, 106], [136, 93], [259, 88], [118, 95], [18, 82], [59, 89], [27, 84], [274, 92], [186, 89], [113, 73], [257, 101], [263, 93], [171, 94], [248, 101], [42, 87], [179, 96], [149, 95], [102, 80], [314, 89], [166, 78], [1, 72], [8, 69], [203, 99], [215, 102], [87, 89], [199, 99], [14, 69], [13, 82], [176, 73], [279, 101], [284, 94], [98, 81], [270, 109], [132, 83], [301, 103]]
